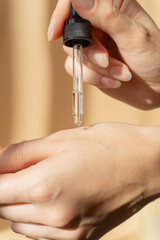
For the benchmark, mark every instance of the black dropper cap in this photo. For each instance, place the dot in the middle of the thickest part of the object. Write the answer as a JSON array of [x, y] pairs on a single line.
[[77, 30]]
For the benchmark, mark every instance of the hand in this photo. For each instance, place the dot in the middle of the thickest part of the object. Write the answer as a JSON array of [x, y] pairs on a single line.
[[126, 37], [81, 183]]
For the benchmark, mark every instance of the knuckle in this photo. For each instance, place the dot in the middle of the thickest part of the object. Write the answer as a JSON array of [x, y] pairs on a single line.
[[14, 151], [14, 227], [110, 13], [144, 35], [40, 193], [63, 217]]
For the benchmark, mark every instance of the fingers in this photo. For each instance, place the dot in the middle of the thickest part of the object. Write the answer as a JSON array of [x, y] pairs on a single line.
[[107, 17], [14, 188], [100, 69], [92, 77], [38, 213], [134, 10], [97, 58], [22, 186], [97, 53], [28, 185], [60, 15], [19, 212], [104, 15], [36, 231], [22, 155], [11, 190], [116, 70]]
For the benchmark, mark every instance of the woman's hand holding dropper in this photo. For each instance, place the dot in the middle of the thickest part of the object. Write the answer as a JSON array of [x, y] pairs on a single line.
[[126, 45]]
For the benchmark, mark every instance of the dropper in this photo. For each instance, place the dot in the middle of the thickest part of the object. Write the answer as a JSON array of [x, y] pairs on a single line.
[[77, 34]]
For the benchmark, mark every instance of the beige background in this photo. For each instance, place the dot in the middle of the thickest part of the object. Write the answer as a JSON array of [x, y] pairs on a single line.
[[35, 95]]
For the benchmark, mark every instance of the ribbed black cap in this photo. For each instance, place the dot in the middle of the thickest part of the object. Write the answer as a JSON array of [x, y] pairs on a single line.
[[77, 30]]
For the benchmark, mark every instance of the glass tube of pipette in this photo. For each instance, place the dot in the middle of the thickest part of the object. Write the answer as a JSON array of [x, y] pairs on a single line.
[[77, 84]]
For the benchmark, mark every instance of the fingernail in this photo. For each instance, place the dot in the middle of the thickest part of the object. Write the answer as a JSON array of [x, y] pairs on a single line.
[[98, 57], [110, 83], [86, 4], [121, 72], [51, 29]]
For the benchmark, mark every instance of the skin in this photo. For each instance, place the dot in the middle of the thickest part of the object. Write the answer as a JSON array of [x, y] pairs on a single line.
[[127, 34], [80, 183]]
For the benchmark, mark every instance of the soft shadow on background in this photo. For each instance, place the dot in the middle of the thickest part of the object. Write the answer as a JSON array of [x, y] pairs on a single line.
[[36, 96]]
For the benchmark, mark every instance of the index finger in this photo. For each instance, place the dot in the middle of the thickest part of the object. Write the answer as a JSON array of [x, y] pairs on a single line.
[[13, 189], [24, 186], [60, 15]]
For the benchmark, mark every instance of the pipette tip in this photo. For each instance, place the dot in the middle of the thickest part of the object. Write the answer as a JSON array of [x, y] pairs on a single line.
[[78, 120]]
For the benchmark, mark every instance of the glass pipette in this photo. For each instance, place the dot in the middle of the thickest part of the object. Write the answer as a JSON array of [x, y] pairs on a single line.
[[77, 34]]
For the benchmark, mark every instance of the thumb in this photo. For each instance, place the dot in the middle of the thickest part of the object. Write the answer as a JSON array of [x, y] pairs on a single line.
[[106, 16], [22, 155]]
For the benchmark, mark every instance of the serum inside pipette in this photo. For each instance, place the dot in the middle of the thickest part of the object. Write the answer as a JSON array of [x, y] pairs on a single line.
[[78, 108], [77, 84]]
